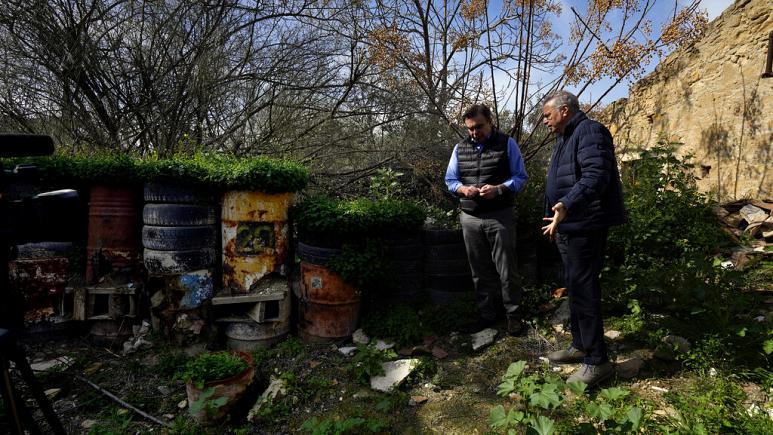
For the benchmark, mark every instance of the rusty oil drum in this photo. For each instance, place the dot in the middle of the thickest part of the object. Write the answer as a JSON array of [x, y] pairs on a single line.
[[329, 306], [255, 238], [114, 231]]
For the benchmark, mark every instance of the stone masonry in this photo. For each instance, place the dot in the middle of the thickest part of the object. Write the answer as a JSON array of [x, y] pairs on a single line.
[[710, 97]]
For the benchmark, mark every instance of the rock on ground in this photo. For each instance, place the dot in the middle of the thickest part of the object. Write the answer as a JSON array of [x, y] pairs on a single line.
[[394, 373]]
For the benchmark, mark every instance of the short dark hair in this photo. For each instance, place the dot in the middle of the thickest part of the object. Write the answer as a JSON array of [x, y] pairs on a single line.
[[478, 109]]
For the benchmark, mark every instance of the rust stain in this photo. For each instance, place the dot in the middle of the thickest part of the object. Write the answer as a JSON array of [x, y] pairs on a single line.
[[114, 228], [328, 322], [39, 281], [322, 286], [255, 237], [256, 206]]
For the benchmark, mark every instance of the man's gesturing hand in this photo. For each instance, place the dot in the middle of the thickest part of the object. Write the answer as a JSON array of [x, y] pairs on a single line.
[[559, 213]]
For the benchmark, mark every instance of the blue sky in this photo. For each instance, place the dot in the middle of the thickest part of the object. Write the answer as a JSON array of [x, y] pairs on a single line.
[[661, 13]]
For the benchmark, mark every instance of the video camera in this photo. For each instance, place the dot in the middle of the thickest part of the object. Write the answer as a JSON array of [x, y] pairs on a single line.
[[44, 217], [48, 216]]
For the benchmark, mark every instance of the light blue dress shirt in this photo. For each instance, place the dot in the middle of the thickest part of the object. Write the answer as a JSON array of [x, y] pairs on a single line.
[[516, 181]]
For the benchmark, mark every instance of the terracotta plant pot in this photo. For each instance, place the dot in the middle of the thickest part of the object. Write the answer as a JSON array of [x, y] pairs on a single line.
[[232, 389]]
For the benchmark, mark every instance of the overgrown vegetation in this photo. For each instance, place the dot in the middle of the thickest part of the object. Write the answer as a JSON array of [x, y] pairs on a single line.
[[215, 366], [665, 249], [327, 221], [214, 171]]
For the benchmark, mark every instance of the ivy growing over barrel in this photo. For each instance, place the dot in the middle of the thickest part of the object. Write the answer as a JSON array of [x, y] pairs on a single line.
[[360, 227]]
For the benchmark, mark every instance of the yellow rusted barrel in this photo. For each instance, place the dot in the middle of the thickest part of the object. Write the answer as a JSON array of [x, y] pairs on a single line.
[[255, 237]]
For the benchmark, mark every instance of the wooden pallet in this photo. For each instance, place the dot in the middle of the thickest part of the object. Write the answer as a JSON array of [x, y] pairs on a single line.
[[104, 303]]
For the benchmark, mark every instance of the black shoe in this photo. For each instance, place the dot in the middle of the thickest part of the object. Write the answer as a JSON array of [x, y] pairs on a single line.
[[479, 325], [515, 326]]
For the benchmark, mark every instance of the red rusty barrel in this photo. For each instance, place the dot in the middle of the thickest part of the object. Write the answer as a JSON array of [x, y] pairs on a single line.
[[114, 231], [329, 306]]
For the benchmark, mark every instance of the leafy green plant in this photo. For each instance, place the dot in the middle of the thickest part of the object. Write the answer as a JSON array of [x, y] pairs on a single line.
[[665, 248], [367, 362], [541, 397], [443, 219], [400, 323], [365, 265], [209, 367], [207, 403], [715, 405], [324, 221], [115, 421], [386, 184], [339, 426]]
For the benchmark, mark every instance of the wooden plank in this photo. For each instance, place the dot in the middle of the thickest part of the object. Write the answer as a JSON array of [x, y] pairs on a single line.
[[248, 298], [111, 290], [107, 317], [79, 304], [234, 319]]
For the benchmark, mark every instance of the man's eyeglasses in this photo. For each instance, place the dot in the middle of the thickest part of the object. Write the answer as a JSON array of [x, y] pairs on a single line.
[[476, 127]]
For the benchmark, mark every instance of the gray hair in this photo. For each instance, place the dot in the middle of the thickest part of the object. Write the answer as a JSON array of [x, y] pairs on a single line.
[[563, 98]]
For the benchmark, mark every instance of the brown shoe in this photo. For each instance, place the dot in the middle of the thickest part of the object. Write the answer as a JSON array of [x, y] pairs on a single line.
[[571, 355]]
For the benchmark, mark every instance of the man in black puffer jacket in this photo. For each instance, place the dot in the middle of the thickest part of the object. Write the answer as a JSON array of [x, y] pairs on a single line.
[[583, 198]]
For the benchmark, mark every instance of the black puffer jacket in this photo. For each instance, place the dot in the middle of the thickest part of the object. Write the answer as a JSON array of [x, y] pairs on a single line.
[[583, 175]]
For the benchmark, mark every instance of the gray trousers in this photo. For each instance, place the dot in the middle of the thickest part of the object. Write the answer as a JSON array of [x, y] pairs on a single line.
[[490, 242]]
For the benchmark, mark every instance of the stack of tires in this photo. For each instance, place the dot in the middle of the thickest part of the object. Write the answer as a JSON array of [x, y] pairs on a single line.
[[179, 237], [447, 275], [406, 256]]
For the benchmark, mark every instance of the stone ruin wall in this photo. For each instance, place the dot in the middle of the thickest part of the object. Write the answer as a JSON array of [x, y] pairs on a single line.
[[711, 98]]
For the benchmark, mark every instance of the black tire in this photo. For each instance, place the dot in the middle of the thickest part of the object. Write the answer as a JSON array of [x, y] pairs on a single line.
[[315, 254], [176, 194], [175, 262], [449, 283], [442, 237], [178, 238], [405, 252], [444, 252], [178, 215], [31, 251], [455, 266]]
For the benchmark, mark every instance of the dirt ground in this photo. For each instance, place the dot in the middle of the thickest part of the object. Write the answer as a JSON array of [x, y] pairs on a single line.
[[453, 394]]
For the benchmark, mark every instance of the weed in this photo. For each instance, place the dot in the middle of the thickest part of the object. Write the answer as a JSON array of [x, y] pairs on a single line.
[[169, 364], [400, 323], [184, 426], [114, 421], [211, 367], [292, 348], [541, 398], [714, 405], [367, 362]]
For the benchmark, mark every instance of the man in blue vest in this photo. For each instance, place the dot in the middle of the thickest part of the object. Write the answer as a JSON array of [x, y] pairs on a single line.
[[583, 199], [486, 171]]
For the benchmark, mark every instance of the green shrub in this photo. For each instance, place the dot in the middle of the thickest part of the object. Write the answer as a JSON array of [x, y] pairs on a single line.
[[400, 323], [365, 264], [209, 367], [667, 243], [325, 221]]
